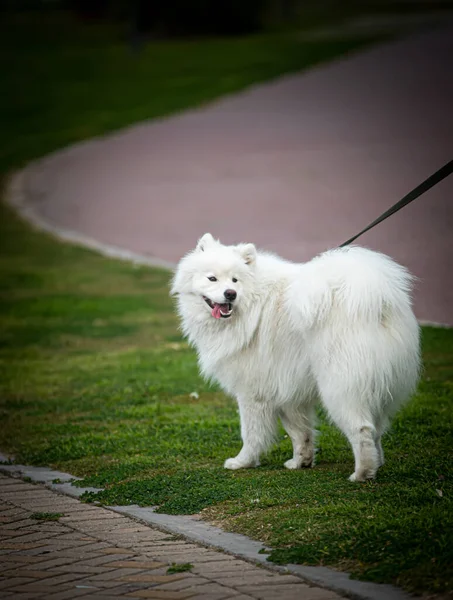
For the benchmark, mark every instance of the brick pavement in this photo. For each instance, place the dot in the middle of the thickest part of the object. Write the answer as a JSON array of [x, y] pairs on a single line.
[[95, 553]]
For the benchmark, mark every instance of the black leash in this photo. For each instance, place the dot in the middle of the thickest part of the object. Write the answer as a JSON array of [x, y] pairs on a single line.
[[442, 173]]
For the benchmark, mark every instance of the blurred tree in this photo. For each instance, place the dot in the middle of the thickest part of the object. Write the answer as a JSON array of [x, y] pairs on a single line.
[[194, 17], [90, 9], [165, 17]]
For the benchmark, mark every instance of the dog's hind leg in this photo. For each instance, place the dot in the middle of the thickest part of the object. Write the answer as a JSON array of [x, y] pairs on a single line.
[[298, 423], [358, 426], [379, 450], [381, 427], [258, 426], [366, 450]]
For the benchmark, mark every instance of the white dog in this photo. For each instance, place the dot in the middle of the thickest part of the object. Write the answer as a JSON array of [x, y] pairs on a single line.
[[279, 336]]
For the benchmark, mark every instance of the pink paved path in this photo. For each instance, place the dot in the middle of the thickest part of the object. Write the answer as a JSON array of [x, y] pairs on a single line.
[[296, 166]]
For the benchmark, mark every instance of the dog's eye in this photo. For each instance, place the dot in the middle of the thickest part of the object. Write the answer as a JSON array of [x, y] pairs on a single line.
[[234, 280], [212, 278]]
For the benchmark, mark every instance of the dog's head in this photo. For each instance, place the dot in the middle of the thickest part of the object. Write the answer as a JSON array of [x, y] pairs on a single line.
[[215, 278]]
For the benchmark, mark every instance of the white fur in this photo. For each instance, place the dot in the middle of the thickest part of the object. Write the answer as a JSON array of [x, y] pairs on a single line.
[[339, 329]]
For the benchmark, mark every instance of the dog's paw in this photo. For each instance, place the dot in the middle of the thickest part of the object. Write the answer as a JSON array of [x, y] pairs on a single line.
[[362, 476], [292, 463], [298, 463], [234, 463]]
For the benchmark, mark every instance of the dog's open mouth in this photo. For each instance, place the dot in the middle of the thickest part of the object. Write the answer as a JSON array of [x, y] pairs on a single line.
[[219, 311]]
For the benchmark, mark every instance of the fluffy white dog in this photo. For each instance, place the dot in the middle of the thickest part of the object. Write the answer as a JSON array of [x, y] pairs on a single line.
[[280, 336]]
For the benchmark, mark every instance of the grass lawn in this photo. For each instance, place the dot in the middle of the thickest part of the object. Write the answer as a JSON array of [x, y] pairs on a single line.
[[96, 380]]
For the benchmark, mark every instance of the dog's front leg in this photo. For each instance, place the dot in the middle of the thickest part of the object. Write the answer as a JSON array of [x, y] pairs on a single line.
[[258, 425]]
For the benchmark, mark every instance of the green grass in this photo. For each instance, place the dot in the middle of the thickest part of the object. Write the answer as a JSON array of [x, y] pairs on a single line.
[[179, 568], [46, 516], [95, 378]]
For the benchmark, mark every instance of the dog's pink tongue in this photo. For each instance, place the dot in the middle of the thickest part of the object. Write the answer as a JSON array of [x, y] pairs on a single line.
[[216, 310]]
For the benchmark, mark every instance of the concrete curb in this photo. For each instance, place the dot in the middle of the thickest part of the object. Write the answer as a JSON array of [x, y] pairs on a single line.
[[194, 529]]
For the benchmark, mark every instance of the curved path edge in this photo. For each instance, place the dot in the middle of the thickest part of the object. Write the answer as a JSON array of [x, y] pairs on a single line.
[[194, 529], [15, 197]]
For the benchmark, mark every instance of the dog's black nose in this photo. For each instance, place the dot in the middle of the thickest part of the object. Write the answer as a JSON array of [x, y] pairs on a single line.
[[230, 295]]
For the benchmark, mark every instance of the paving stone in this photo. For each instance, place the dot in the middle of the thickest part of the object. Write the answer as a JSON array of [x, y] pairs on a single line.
[[107, 560], [52, 546], [15, 487], [14, 512], [21, 596], [18, 521], [27, 573], [188, 581], [92, 549], [10, 481], [159, 595], [50, 527], [20, 558], [30, 493], [288, 592], [178, 547], [116, 551], [133, 538], [81, 568], [78, 536], [91, 516], [106, 595], [122, 589], [148, 578], [19, 546], [64, 505], [226, 567], [103, 525], [97, 596], [26, 499], [206, 589], [35, 537], [163, 543], [11, 533], [63, 578], [71, 593], [213, 596], [70, 540], [137, 564], [112, 584], [49, 563], [14, 581], [131, 529], [117, 574], [263, 578], [41, 588], [196, 556]]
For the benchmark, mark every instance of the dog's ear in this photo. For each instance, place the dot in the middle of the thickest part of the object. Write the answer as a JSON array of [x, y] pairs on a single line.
[[248, 253], [205, 241]]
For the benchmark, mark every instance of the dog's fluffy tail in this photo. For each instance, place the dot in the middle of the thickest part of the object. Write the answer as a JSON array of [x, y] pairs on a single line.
[[359, 285]]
